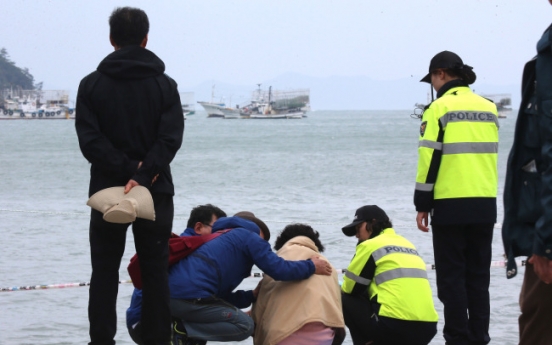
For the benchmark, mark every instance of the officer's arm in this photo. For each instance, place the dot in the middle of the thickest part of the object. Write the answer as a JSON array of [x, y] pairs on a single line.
[[360, 273], [429, 158]]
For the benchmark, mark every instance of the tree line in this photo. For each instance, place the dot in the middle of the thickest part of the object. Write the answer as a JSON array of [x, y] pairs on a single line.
[[15, 77]]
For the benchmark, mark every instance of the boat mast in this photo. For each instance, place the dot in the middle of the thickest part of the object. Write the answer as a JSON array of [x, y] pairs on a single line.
[[212, 93]]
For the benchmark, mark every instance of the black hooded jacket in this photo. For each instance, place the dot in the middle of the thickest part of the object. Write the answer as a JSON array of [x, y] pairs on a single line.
[[128, 111]]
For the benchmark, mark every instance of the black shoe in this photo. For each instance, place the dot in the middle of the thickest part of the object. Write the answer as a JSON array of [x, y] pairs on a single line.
[[178, 336]]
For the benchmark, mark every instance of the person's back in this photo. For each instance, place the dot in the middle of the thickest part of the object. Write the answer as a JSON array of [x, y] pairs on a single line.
[[133, 102], [469, 128], [294, 312], [130, 125], [219, 266], [407, 298]]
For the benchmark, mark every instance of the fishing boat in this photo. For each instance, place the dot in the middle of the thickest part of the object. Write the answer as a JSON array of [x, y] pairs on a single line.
[[231, 113], [291, 104], [269, 104], [503, 101], [35, 104], [212, 108]]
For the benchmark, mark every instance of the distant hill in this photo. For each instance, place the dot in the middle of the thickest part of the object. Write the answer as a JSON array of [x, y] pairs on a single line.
[[14, 77], [341, 92]]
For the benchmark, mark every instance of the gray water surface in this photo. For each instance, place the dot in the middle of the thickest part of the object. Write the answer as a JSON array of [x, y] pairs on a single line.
[[316, 170]]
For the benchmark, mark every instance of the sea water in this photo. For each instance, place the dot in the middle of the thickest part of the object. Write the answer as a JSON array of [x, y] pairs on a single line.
[[317, 170]]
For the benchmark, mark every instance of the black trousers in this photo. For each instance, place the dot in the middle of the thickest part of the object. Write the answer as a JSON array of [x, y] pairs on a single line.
[[107, 245], [462, 263], [365, 326]]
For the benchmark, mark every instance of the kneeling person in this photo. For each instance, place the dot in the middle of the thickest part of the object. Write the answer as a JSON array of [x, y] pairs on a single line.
[[200, 223], [202, 284], [300, 312], [386, 296]]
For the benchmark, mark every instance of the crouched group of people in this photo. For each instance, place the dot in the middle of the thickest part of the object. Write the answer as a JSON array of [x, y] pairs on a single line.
[[385, 297]]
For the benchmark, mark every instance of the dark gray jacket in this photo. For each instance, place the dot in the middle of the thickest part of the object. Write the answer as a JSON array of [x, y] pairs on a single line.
[[527, 226]]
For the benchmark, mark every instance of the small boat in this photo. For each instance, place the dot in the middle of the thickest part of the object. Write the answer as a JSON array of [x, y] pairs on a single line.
[[502, 102], [213, 109], [35, 104]]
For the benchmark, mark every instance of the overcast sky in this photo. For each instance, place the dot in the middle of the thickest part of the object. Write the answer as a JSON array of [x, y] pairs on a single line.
[[245, 41]]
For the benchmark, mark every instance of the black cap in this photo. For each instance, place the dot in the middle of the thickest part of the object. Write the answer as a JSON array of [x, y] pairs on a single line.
[[364, 214], [449, 60]]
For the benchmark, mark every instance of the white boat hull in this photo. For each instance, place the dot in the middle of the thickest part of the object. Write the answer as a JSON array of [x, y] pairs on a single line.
[[212, 109], [297, 115]]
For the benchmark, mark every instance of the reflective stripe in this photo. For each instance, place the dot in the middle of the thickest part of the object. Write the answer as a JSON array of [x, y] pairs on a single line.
[[381, 252], [431, 144], [424, 187], [455, 148], [357, 279], [468, 115], [400, 273]]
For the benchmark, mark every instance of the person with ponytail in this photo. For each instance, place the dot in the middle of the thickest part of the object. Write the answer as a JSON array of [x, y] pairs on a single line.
[[457, 182]]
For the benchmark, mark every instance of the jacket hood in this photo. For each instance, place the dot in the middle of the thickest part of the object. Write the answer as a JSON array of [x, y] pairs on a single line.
[[235, 222], [132, 62]]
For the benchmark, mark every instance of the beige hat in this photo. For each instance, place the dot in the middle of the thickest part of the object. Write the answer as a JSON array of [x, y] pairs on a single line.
[[118, 207]]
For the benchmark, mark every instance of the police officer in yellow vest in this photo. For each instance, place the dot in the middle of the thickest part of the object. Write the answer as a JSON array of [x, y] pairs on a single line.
[[386, 296], [457, 183]]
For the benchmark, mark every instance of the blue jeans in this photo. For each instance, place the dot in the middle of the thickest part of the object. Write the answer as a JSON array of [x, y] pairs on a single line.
[[213, 319]]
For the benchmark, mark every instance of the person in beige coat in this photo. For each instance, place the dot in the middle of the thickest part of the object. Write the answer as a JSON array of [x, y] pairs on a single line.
[[299, 312]]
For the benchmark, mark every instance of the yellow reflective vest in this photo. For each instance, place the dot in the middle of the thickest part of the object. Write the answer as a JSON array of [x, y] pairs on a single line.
[[457, 173], [389, 268]]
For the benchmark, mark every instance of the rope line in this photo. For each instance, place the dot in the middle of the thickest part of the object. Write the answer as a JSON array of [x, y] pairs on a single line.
[[253, 275], [340, 224]]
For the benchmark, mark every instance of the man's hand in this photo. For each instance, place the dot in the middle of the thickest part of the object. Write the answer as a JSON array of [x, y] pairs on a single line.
[[422, 221], [542, 267], [322, 267], [130, 184]]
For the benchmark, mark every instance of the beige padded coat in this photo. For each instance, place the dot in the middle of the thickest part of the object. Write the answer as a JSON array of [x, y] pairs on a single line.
[[284, 307]]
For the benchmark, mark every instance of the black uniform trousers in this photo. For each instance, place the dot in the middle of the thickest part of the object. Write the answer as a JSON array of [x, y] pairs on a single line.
[[462, 263], [107, 245], [365, 325]]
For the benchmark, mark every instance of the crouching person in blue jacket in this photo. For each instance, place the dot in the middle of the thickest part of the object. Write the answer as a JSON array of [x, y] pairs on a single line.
[[202, 285], [200, 223]]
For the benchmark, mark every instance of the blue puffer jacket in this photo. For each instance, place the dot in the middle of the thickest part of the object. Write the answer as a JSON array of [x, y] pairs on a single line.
[[134, 312], [220, 265]]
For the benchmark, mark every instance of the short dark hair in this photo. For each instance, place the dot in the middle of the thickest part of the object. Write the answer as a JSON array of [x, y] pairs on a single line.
[[378, 226], [128, 26], [294, 230], [204, 214]]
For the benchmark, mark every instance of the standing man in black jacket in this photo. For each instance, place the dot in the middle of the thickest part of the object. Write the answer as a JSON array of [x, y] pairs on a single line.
[[130, 125], [527, 226]]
